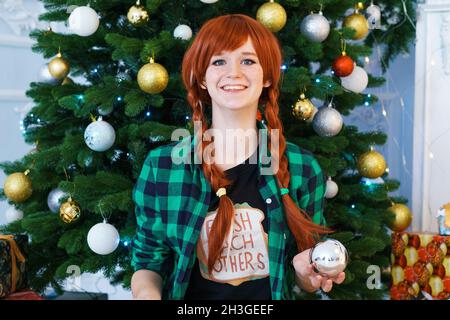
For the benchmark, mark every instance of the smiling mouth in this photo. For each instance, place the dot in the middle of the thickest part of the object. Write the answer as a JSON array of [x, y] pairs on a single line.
[[233, 88]]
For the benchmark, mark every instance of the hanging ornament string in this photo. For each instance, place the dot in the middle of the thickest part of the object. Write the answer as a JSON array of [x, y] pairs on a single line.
[[71, 194], [343, 45], [105, 219]]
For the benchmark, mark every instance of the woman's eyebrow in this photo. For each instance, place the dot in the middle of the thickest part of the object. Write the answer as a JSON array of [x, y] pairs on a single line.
[[246, 53]]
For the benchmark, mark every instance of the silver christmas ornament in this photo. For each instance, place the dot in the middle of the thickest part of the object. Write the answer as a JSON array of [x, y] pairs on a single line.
[[327, 122], [329, 258], [55, 198], [123, 76], [331, 189], [315, 27], [99, 135]]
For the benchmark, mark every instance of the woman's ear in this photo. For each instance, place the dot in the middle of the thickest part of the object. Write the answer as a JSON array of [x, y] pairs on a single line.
[[268, 83], [203, 85]]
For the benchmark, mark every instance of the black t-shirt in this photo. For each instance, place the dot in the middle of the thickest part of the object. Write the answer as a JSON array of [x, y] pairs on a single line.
[[243, 272]]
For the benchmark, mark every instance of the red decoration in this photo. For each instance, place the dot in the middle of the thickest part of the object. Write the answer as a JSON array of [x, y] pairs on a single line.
[[24, 295], [258, 115], [343, 66]]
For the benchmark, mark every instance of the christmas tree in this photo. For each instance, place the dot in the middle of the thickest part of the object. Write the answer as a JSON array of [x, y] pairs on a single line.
[[128, 56]]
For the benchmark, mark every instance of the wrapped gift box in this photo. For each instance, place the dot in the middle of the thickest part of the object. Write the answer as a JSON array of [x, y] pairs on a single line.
[[24, 295], [12, 264], [420, 266]]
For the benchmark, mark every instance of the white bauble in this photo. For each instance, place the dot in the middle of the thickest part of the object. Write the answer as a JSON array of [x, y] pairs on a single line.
[[12, 214], [209, 1], [99, 135], [83, 21], [103, 238], [357, 81], [332, 189], [55, 199], [373, 14], [315, 27], [183, 32]]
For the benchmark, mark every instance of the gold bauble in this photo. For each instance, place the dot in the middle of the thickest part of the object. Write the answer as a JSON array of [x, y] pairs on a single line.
[[403, 218], [58, 67], [137, 15], [152, 77], [436, 285], [272, 15], [371, 165], [360, 6], [411, 255], [359, 23], [303, 109], [69, 211], [398, 275], [18, 187]]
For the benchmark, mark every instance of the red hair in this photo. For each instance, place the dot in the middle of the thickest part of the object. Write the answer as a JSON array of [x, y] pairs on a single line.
[[227, 33]]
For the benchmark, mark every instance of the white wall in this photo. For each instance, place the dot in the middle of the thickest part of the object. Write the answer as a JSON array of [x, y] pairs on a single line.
[[431, 182]]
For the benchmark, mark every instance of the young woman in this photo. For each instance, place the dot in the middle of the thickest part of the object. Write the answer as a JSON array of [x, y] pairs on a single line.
[[226, 229]]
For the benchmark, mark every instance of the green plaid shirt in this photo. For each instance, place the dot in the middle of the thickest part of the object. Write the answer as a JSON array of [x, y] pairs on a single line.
[[172, 201]]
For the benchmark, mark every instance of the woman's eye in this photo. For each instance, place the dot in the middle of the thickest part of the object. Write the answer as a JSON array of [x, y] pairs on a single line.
[[218, 62], [250, 61], [221, 62]]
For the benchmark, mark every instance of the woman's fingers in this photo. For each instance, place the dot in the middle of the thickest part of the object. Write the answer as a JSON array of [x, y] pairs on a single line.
[[339, 278], [326, 284], [316, 281]]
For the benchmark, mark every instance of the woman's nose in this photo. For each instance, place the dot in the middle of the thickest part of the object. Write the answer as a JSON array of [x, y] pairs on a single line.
[[234, 69]]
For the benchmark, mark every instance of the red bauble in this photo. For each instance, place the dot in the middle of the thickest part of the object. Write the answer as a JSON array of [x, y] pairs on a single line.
[[343, 66]]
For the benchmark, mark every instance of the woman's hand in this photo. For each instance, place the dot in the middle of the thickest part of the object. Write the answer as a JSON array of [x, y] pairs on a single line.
[[307, 279]]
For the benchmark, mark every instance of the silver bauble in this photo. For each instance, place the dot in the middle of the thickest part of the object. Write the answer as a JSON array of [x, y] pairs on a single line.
[[329, 258], [123, 76], [327, 122], [315, 27], [55, 198]]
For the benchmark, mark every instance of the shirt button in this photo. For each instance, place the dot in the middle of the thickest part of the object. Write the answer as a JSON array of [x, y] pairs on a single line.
[[268, 201]]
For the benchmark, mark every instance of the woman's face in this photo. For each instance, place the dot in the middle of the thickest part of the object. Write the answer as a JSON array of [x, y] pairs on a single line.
[[234, 79]]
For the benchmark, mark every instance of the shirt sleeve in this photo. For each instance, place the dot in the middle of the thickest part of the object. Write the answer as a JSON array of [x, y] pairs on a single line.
[[149, 249], [312, 193]]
